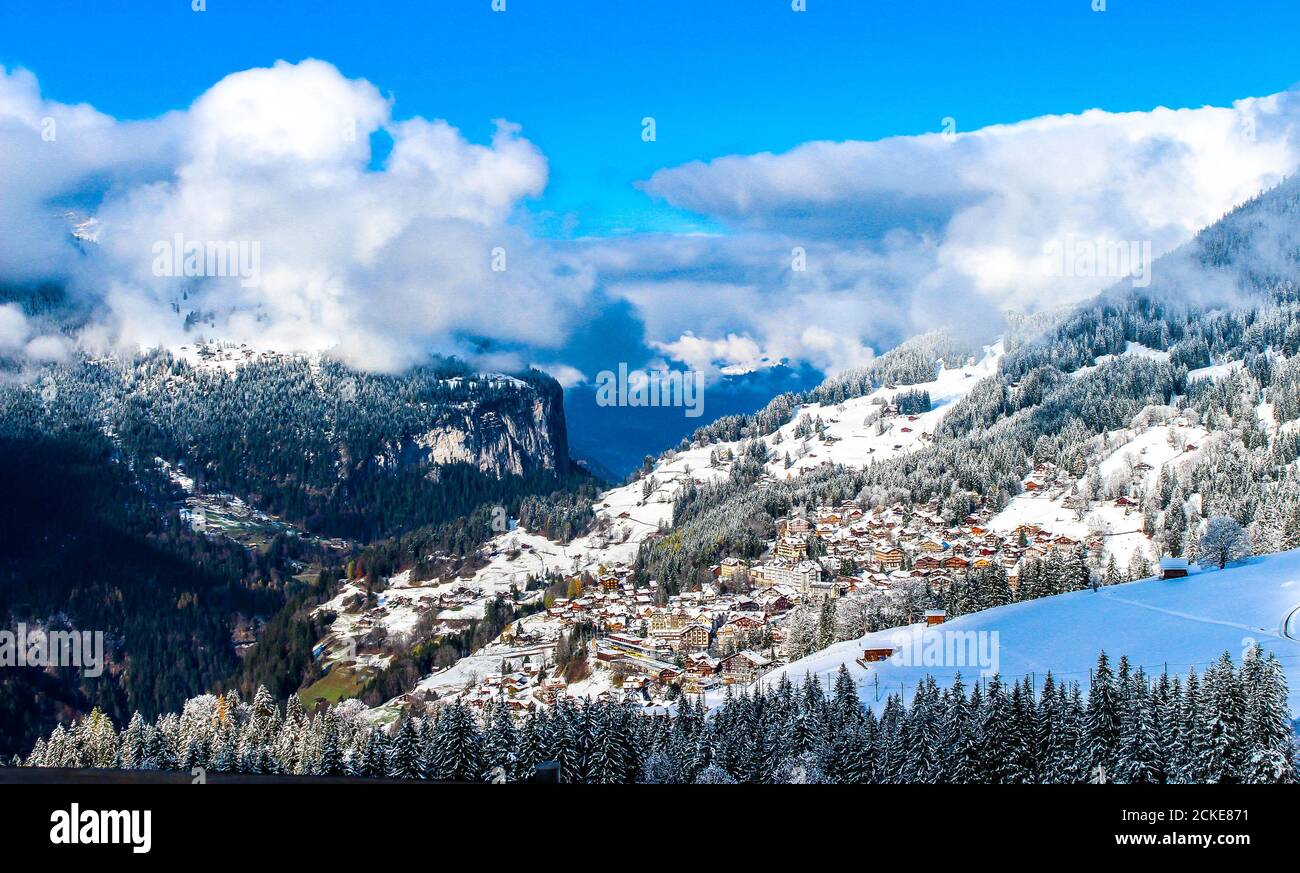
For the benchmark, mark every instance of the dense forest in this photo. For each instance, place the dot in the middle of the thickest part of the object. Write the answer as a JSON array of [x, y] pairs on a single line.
[[86, 544], [1221, 725]]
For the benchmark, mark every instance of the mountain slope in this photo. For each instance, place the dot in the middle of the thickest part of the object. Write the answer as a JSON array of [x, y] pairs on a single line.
[[341, 452], [1159, 625]]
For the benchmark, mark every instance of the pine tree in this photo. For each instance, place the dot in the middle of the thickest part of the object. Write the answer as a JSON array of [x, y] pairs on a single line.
[[1135, 763], [1112, 575], [1222, 757], [132, 751], [331, 754], [500, 744], [846, 707], [404, 757], [456, 746], [1102, 718], [1271, 737], [999, 735]]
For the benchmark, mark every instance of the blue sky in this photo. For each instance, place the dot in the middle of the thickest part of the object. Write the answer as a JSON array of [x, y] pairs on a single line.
[[719, 76]]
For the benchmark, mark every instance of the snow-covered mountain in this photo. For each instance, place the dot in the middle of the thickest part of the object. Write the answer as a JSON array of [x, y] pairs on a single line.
[[1119, 427], [630, 515]]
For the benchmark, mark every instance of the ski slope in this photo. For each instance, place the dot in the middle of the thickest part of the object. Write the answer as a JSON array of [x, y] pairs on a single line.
[[1158, 624]]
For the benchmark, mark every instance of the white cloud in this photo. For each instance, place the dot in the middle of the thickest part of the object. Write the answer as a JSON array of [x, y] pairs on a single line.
[[13, 328], [381, 266], [383, 262], [910, 232], [51, 155], [47, 348], [564, 374]]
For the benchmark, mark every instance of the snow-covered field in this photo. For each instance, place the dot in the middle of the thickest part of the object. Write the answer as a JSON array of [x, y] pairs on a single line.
[[854, 444], [1159, 625], [1131, 350]]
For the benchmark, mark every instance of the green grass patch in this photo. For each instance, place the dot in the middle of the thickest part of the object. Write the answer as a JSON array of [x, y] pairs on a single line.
[[338, 684]]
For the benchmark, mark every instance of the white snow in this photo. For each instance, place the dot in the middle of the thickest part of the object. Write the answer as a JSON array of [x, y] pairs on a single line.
[[854, 444], [1157, 446], [1217, 371], [1159, 625], [1131, 350], [626, 516]]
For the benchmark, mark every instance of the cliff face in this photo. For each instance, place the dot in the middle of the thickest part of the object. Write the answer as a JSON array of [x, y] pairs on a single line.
[[509, 435]]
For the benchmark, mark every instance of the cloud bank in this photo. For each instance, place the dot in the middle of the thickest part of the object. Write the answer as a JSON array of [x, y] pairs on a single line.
[[832, 250], [915, 232], [379, 265]]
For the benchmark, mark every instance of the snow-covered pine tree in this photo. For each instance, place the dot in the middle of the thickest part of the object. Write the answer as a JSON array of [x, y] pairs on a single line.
[[1102, 729], [404, 756]]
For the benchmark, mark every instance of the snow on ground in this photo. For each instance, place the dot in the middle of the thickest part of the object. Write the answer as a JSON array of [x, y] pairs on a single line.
[[1131, 350], [856, 444], [626, 516], [1156, 446], [1159, 625], [1217, 371]]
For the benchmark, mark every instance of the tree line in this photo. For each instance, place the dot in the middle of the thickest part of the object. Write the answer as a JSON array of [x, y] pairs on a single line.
[[1226, 724]]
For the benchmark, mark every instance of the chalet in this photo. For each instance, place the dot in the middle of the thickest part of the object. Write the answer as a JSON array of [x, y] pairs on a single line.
[[667, 674], [778, 605], [888, 557], [746, 622], [744, 666], [731, 568], [872, 656], [935, 616], [1173, 568], [684, 639], [792, 548], [701, 664], [797, 526]]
